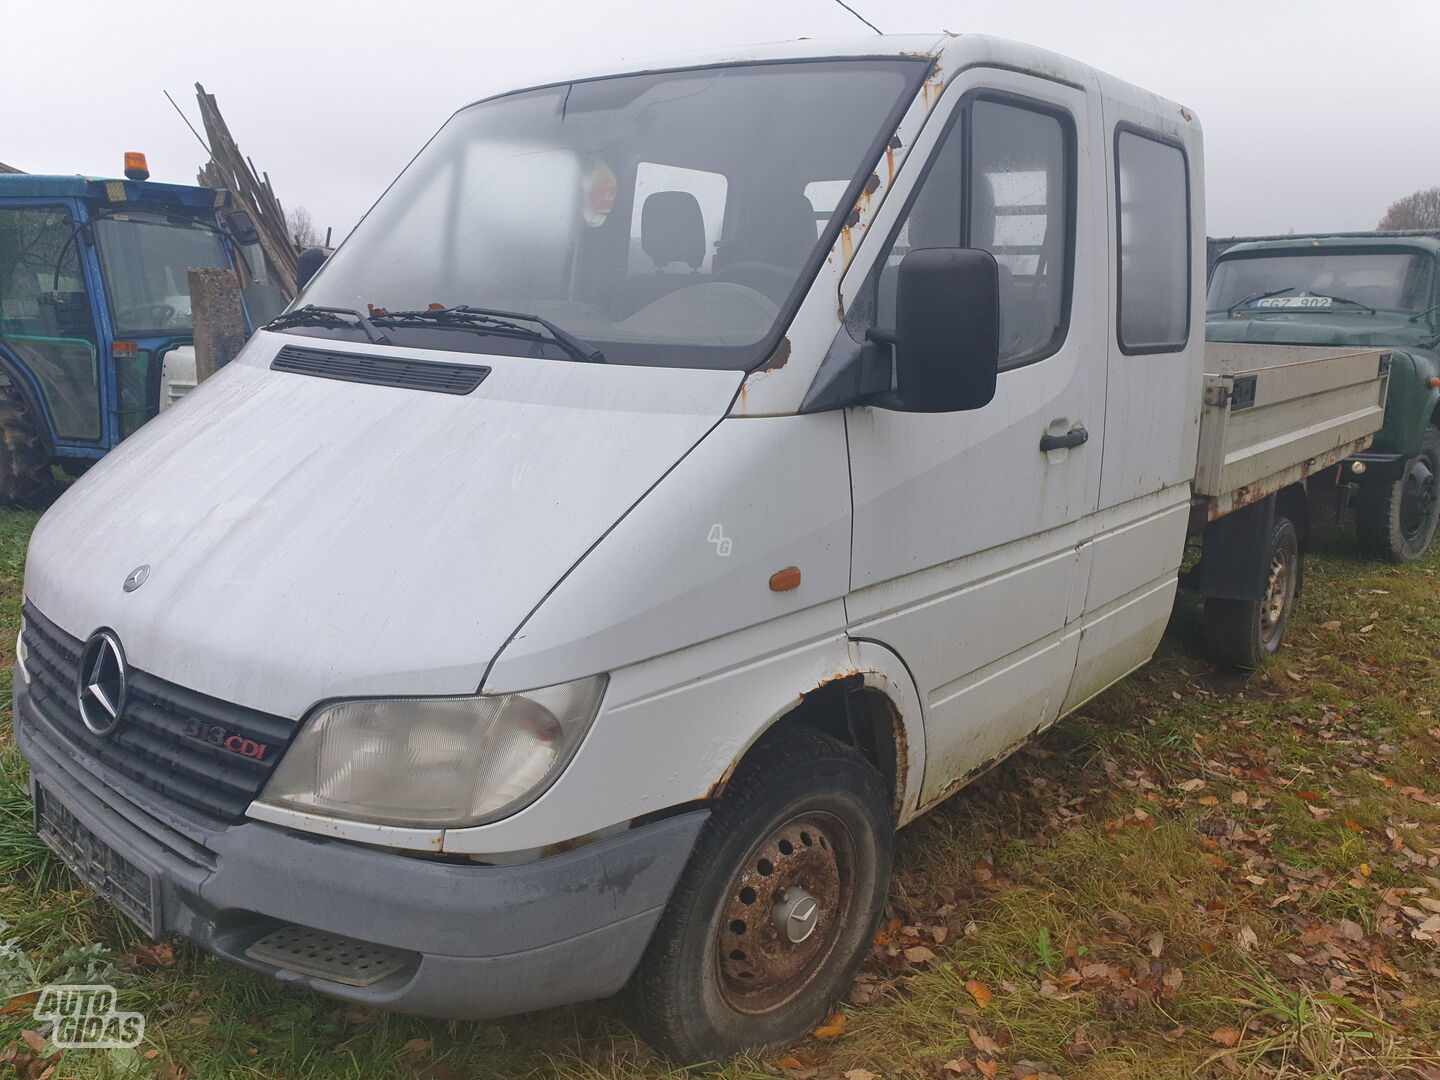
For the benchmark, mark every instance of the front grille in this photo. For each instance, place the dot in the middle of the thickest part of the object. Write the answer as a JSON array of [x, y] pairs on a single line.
[[397, 371], [169, 739]]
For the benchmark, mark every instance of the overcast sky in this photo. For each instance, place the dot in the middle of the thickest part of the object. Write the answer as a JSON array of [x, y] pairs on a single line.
[[1317, 113]]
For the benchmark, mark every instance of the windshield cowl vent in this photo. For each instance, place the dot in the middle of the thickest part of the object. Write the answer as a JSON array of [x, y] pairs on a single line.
[[437, 378]]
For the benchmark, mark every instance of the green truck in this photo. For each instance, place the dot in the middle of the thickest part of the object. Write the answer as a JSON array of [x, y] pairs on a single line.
[[1366, 291]]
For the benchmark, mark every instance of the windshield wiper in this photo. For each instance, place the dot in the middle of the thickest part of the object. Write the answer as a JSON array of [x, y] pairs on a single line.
[[314, 315], [490, 321], [1342, 300], [1256, 296], [1421, 314]]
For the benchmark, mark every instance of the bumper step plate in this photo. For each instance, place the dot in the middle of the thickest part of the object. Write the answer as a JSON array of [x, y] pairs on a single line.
[[327, 956]]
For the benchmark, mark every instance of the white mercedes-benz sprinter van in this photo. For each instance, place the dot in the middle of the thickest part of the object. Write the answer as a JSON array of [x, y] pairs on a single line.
[[678, 481]]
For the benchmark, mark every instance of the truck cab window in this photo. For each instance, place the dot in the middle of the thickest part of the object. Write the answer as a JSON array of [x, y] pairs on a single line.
[[660, 217], [1010, 194], [1153, 223], [1020, 194], [146, 259], [45, 314], [1388, 280]]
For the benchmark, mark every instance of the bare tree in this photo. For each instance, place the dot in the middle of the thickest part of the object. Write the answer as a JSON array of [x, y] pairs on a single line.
[[1418, 211], [303, 231]]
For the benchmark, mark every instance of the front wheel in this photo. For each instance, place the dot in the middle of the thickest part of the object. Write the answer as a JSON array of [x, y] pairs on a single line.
[[1395, 519], [1242, 633], [777, 907]]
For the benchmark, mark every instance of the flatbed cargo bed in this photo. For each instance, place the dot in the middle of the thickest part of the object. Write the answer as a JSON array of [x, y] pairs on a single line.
[[1276, 414]]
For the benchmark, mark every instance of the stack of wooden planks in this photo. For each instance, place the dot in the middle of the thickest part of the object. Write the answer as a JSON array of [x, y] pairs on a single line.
[[250, 189]]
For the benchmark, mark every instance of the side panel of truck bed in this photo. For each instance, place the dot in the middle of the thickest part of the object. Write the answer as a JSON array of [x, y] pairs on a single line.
[[1274, 414]]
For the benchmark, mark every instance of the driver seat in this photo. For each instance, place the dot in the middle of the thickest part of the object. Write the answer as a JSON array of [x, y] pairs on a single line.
[[672, 230], [775, 250]]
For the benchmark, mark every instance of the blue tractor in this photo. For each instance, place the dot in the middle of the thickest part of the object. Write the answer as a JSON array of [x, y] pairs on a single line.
[[95, 326]]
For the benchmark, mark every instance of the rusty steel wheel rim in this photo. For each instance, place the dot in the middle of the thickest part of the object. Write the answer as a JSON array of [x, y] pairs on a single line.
[[1277, 595], [784, 912]]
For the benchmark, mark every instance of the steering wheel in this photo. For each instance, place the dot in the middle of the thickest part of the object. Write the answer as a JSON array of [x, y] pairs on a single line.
[[768, 279], [163, 312]]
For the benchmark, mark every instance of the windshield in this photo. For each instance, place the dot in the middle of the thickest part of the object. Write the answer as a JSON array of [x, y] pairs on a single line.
[[1394, 280], [668, 218], [146, 263]]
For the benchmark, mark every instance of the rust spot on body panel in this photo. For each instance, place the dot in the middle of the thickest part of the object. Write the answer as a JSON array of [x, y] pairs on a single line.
[[778, 359], [890, 148]]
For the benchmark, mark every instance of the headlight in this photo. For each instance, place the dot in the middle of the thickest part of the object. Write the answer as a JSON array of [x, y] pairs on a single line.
[[429, 762]]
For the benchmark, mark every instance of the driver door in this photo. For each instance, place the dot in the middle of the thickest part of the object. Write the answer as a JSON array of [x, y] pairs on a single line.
[[971, 544]]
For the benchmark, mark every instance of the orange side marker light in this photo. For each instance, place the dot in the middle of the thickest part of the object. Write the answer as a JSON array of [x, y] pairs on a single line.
[[785, 580]]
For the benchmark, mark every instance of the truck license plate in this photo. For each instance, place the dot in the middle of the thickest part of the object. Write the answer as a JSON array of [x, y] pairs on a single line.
[[1294, 302], [128, 888]]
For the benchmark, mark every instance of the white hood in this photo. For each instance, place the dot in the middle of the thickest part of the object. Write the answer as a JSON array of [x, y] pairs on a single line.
[[309, 538]]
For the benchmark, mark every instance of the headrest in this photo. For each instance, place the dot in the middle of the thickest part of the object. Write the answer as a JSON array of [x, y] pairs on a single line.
[[672, 229]]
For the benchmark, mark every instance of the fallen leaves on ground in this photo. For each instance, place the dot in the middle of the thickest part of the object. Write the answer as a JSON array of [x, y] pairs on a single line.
[[28, 1062], [979, 991], [832, 1028]]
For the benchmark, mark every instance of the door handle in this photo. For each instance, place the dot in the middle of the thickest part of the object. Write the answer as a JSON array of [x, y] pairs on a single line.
[[1076, 436]]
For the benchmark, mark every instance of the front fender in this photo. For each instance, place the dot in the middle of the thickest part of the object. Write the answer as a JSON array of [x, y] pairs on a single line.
[[673, 728], [1410, 401]]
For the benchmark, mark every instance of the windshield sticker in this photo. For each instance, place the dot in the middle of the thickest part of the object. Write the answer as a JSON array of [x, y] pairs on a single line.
[[1293, 302]]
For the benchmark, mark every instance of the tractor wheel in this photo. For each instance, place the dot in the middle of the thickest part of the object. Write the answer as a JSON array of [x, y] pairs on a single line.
[[1395, 519], [26, 481]]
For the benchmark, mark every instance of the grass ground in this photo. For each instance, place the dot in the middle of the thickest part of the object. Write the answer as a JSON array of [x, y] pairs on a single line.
[[1199, 875]]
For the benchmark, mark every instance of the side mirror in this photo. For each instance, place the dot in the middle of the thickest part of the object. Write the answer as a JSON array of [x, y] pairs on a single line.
[[241, 229], [947, 329], [309, 261]]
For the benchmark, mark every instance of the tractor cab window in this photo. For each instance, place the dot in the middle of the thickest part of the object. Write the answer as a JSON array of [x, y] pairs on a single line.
[[45, 323], [146, 260]]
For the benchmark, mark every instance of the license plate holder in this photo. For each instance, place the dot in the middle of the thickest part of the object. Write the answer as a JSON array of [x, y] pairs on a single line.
[[130, 890]]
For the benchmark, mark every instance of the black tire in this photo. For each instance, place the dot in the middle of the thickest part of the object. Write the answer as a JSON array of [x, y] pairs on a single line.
[[1242, 633], [26, 480], [808, 814], [1395, 519]]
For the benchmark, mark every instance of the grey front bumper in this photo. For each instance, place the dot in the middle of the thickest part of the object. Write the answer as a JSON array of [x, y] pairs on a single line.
[[480, 941]]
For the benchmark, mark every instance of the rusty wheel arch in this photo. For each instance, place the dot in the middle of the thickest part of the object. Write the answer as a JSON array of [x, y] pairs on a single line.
[[852, 713]]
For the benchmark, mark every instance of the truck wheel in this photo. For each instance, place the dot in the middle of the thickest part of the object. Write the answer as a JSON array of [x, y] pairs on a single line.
[[1395, 519], [777, 907], [1242, 633], [26, 482]]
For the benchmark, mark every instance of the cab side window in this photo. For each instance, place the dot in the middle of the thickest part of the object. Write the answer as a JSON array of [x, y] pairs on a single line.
[[1003, 179], [1153, 220]]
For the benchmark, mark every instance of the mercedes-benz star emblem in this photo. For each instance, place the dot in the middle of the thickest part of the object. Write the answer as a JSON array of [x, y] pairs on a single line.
[[137, 577], [102, 686]]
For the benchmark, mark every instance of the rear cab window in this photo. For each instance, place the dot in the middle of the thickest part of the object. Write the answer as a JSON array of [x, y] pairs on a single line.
[[1152, 221]]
